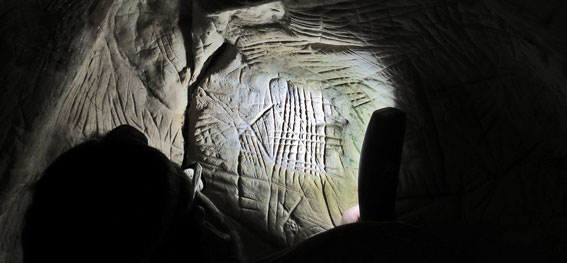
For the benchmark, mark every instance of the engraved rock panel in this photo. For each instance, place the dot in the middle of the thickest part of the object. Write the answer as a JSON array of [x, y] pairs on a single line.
[[280, 93], [277, 152], [72, 70]]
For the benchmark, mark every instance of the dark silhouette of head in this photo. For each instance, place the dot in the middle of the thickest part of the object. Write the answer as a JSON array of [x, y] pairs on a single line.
[[113, 199]]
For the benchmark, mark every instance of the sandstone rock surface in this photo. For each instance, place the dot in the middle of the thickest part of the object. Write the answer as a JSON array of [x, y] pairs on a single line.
[[273, 97]]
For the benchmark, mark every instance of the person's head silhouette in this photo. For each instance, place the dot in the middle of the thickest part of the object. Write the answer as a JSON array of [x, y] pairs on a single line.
[[113, 199]]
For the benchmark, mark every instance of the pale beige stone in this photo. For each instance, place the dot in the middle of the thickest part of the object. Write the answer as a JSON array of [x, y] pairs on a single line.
[[278, 96]]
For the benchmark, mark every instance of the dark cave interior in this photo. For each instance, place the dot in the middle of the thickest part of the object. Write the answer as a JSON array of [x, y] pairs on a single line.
[[272, 100]]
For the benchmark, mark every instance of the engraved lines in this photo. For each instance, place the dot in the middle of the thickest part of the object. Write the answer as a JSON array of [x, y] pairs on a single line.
[[106, 92], [300, 132], [291, 136], [285, 141], [290, 132]]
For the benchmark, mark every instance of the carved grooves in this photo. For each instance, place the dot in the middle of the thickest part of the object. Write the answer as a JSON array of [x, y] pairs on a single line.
[[292, 131]]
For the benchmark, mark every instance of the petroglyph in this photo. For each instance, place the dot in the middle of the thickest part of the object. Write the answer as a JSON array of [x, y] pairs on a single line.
[[278, 125], [279, 95], [271, 147]]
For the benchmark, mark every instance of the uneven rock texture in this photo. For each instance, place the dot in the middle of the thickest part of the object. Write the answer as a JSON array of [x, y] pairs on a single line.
[[278, 122], [278, 95], [482, 88], [71, 70]]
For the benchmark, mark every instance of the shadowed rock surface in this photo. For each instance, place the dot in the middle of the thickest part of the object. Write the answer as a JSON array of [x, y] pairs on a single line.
[[273, 99]]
